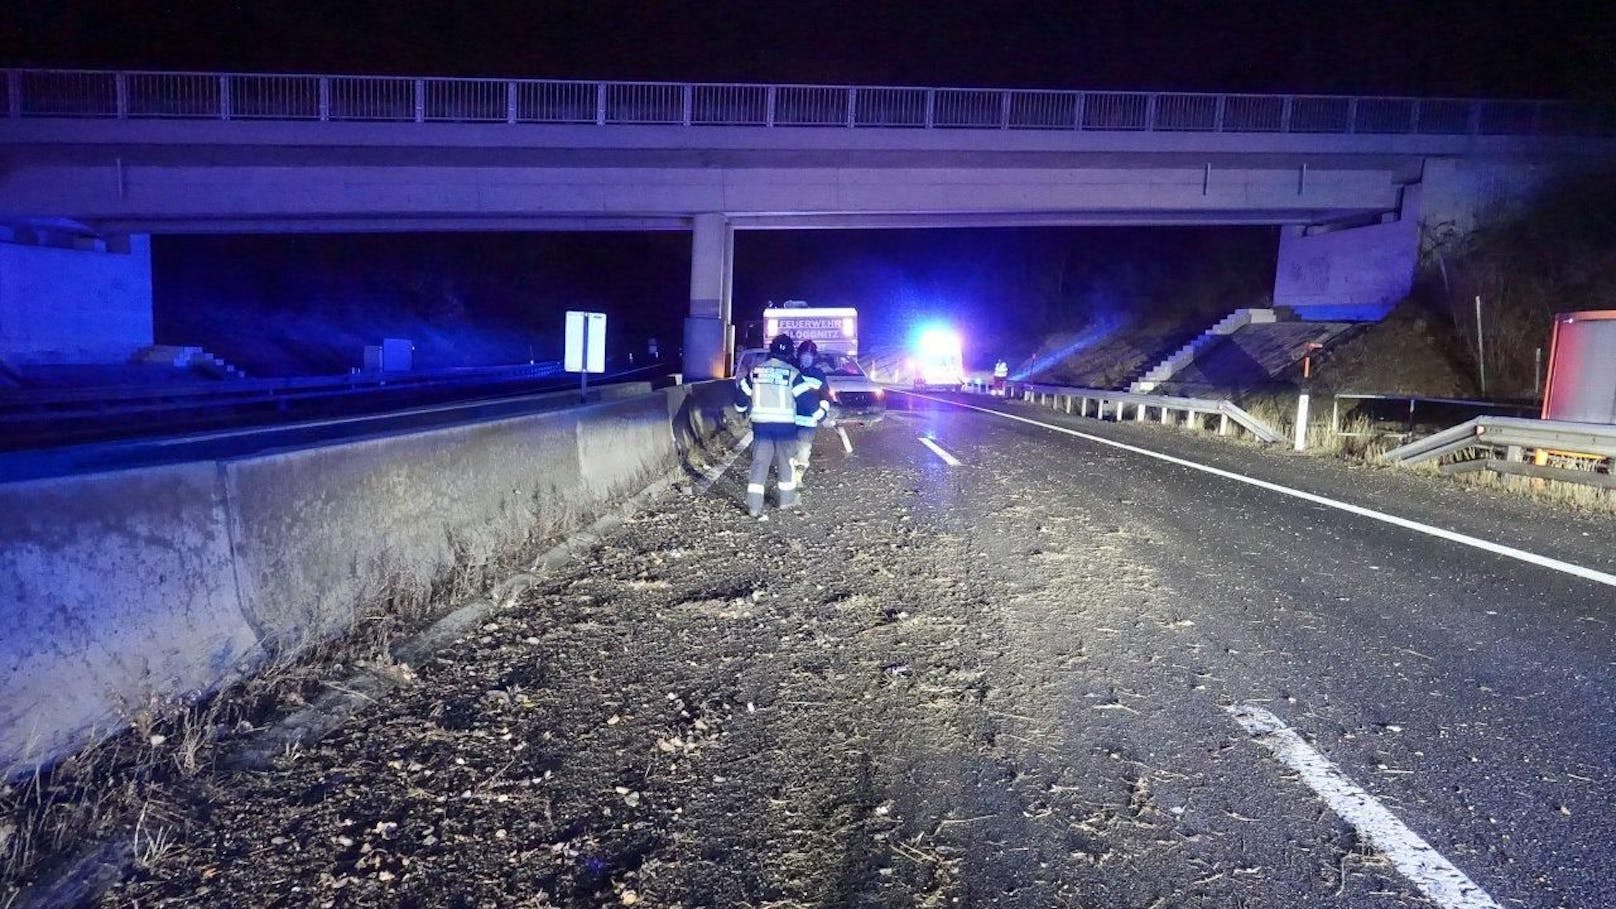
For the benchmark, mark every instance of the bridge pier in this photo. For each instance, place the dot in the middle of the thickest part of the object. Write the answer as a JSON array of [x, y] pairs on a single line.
[[709, 337]]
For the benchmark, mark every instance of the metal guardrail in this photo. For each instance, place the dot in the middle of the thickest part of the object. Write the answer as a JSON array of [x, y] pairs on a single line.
[[31, 418], [1512, 436], [263, 96], [1077, 400], [24, 403], [1408, 418]]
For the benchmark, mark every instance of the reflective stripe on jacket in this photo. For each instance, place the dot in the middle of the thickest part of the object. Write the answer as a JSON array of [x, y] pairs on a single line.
[[773, 386], [813, 403]]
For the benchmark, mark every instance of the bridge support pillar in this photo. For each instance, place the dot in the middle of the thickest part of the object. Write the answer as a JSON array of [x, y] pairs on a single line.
[[709, 337]]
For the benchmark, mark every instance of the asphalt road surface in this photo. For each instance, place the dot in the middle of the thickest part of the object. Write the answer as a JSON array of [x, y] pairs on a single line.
[[1058, 672]]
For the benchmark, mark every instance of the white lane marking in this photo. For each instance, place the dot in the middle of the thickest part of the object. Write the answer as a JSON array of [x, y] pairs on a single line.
[[1437, 878], [847, 444], [948, 459], [1587, 574], [717, 470]]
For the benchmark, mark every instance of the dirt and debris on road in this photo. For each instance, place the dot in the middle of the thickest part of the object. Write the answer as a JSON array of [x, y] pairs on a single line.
[[929, 690], [889, 701]]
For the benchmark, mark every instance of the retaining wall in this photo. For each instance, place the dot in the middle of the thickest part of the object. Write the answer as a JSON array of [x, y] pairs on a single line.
[[127, 588]]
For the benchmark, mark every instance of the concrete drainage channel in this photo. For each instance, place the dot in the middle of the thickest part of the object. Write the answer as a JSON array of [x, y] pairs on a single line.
[[163, 584]]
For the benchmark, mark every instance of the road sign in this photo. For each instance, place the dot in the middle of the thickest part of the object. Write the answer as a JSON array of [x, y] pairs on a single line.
[[586, 342]]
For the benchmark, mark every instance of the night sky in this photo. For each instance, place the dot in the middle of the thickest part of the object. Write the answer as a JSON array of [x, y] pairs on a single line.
[[492, 297], [1548, 48]]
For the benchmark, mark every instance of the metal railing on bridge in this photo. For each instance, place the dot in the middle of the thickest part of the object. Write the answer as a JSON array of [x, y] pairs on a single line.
[[254, 96]]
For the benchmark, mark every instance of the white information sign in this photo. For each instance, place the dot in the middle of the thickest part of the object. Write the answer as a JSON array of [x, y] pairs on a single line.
[[586, 342]]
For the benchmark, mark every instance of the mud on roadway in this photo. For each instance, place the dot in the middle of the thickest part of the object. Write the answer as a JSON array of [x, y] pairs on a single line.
[[934, 687]]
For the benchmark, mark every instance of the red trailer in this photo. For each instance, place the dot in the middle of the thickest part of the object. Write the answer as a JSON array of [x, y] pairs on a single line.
[[1582, 368]]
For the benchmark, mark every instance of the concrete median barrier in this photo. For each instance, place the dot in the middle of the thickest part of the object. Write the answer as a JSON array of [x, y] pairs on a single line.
[[126, 589], [115, 589]]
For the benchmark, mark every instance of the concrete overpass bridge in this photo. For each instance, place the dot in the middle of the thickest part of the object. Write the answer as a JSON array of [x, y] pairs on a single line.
[[91, 163]]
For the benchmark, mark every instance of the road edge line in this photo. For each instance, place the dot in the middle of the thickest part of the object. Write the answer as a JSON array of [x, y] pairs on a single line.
[[711, 475], [1452, 536]]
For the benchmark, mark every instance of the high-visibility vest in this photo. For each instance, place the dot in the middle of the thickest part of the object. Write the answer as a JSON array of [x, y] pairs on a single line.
[[771, 386], [1000, 370]]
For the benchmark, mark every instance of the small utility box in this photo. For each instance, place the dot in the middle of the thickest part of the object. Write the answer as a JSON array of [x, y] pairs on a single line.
[[392, 355]]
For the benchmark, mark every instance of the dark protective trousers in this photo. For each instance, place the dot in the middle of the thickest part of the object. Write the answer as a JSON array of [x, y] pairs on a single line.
[[766, 452]]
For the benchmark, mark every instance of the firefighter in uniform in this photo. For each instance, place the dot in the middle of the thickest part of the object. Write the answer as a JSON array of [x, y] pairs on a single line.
[[812, 407], [768, 395]]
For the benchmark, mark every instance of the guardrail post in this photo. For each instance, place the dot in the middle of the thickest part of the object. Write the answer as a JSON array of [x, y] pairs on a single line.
[[1150, 112], [120, 88], [931, 107], [1077, 110], [1004, 109], [1164, 419], [420, 100], [325, 98], [226, 107], [14, 92], [1084, 410], [600, 104], [1223, 424], [689, 102], [1138, 414], [1352, 115], [1285, 115], [852, 107], [1217, 116], [769, 99], [510, 101]]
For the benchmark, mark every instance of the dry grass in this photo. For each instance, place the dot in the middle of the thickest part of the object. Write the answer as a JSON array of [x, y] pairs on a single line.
[[126, 783], [1575, 496]]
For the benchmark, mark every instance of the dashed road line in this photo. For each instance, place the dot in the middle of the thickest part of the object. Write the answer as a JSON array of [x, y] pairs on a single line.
[[1440, 881], [948, 459], [847, 444], [1570, 568]]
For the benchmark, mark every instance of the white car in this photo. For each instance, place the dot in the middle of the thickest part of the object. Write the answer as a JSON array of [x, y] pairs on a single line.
[[855, 398]]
